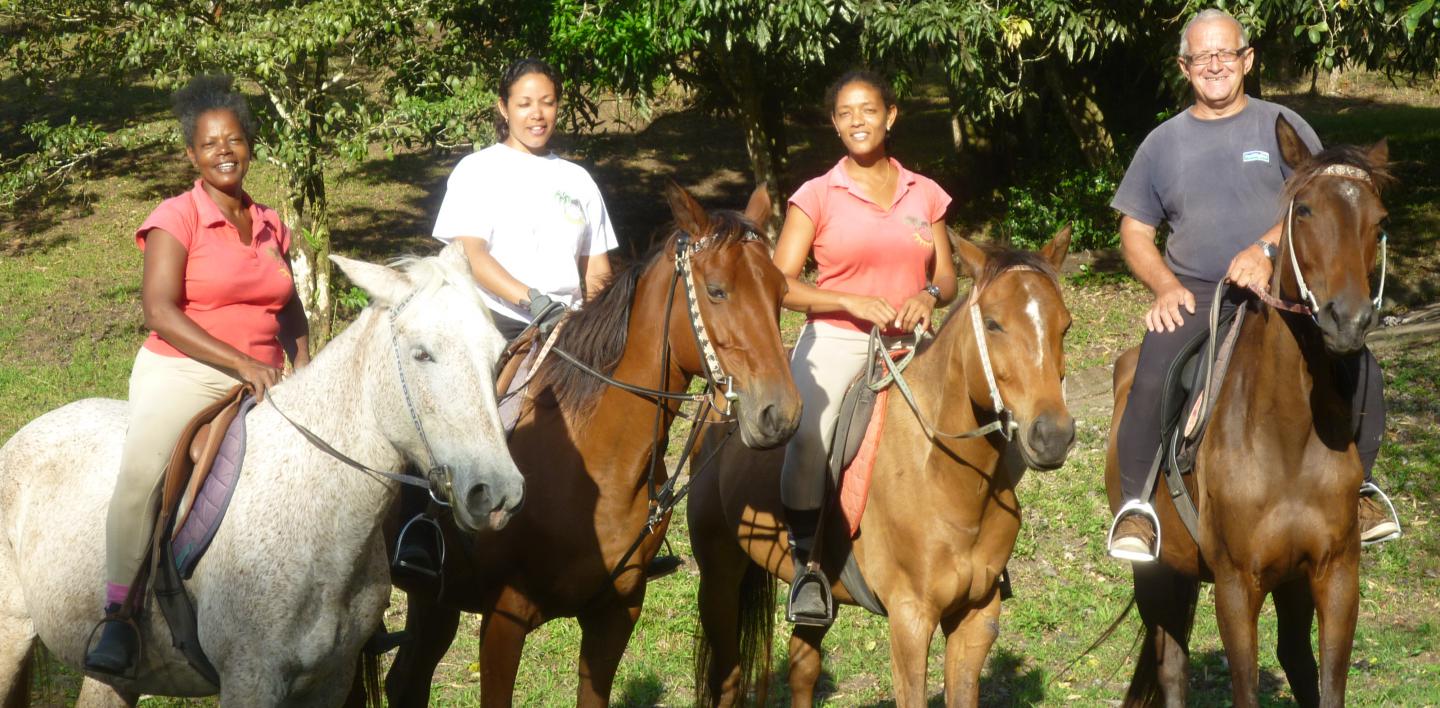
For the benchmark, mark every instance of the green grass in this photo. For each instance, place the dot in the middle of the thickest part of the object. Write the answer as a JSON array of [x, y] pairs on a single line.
[[70, 325]]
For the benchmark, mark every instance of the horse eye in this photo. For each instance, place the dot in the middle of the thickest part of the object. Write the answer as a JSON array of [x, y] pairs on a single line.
[[716, 292], [1302, 210], [993, 326], [421, 355]]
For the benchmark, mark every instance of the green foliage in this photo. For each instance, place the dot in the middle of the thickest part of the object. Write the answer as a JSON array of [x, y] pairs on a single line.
[[59, 150], [1040, 206]]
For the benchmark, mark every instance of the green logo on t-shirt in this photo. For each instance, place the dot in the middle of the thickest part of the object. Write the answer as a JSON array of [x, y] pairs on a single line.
[[570, 207]]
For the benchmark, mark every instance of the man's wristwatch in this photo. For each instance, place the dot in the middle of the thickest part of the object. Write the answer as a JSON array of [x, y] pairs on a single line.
[[934, 291], [1268, 249]]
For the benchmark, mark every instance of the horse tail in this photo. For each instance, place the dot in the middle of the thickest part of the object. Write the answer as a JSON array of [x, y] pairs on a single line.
[[757, 631], [756, 621], [370, 679]]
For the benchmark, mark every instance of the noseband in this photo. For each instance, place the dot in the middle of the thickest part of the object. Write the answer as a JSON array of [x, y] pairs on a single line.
[[1308, 305]]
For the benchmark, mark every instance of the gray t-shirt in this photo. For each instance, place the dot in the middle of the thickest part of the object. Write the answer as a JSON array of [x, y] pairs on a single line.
[[1216, 182]]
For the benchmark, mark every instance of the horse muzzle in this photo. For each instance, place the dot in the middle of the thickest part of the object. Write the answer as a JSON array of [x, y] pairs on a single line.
[[768, 421], [485, 500], [1046, 441], [1344, 324]]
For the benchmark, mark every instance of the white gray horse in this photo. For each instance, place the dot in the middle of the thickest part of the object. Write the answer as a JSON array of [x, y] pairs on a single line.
[[296, 579]]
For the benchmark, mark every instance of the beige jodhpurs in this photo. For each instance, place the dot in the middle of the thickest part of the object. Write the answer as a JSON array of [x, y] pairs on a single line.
[[165, 393], [825, 360]]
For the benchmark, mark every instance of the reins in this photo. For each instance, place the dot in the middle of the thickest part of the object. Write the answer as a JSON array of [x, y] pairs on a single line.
[[1004, 422], [438, 478]]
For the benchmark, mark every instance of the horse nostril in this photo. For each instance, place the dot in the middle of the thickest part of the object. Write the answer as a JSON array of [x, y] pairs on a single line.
[[478, 501]]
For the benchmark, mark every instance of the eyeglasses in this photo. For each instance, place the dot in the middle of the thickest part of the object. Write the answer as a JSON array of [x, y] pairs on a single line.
[[1226, 57]]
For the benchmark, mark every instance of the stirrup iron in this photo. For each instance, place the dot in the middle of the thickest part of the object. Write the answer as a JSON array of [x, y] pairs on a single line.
[[1134, 506], [427, 523], [1369, 489], [811, 574]]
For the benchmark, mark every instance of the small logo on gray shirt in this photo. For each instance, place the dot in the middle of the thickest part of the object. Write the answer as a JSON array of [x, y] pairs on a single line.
[[1256, 156]]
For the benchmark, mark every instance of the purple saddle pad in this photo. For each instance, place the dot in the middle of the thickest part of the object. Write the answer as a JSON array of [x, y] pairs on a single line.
[[188, 544]]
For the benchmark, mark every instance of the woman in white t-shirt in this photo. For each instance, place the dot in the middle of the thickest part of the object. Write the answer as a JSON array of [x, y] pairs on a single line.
[[533, 225]]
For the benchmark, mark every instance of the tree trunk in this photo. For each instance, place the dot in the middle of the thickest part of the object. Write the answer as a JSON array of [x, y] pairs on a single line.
[[757, 123], [1083, 115]]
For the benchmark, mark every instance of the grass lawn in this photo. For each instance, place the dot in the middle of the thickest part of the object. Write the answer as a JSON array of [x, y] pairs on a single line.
[[71, 322]]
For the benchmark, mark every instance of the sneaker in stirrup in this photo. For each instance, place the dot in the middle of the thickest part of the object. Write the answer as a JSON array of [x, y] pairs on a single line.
[[1135, 533], [419, 550], [118, 651], [1378, 520]]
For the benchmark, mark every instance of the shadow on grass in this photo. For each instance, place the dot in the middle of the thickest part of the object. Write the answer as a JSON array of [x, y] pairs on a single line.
[[1210, 682], [643, 691]]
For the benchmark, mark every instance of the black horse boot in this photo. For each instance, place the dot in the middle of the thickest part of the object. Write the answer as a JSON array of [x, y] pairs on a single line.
[[119, 647], [810, 602]]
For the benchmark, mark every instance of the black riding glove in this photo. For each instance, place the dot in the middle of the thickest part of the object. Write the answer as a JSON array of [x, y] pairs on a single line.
[[544, 312]]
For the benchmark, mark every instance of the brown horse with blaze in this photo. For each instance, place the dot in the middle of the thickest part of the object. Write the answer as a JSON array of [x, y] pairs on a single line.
[[1277, 474], [942, 515], [585, 450]]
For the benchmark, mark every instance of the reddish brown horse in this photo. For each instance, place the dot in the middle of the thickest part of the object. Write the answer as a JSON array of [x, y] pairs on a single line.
[[1277, 475], [585, 450], [942, 514]]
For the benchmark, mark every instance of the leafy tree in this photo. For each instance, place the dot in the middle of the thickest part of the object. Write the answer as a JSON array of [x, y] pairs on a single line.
[[333, 77]]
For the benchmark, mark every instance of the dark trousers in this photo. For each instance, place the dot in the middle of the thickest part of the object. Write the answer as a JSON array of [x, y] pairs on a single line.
[[1139, 436]]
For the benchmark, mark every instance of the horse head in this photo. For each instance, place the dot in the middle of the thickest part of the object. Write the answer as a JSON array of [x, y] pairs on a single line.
[[1023, 321], [734, 295], [429, 375], [1333, 217]]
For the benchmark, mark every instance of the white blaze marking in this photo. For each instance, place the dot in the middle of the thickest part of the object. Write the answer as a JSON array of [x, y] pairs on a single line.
[[1032, 308]]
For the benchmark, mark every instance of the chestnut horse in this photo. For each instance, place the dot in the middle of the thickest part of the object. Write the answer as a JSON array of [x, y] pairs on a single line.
[[942, 514], [585, 449], [1277, 476]]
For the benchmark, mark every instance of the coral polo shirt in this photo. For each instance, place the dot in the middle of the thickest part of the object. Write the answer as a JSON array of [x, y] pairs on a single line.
[[863, 249], [232, 290]]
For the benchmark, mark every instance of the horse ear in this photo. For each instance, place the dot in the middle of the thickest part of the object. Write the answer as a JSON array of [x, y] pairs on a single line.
[[972, 258], [1293, 150], [1379, 153], [689, 215], [758, 208], [1059, 247], [385, 285]]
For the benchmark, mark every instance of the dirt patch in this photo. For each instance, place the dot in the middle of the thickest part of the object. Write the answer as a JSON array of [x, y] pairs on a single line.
[[88, 312]]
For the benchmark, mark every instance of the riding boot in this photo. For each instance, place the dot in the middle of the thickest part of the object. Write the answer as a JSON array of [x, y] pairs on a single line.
[[118, 650], [810, 601]]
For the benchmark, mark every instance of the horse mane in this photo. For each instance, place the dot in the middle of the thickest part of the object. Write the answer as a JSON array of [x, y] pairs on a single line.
[[596, 334], [1352, 155], [998, 259]]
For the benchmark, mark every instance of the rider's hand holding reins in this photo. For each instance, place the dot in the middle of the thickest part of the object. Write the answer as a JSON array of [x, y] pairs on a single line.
[[872, 309], [915, 311], [260, 376]]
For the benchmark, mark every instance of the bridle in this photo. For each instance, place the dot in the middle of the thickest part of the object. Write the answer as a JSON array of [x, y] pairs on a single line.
[[438, 479], [1004, 422], [1308, 304]]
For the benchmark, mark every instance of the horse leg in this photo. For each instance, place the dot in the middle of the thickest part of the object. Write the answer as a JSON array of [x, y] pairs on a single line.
[[1237, 606], [968, 638], [502, 641], [911, 626], [1294, 613], [17, 651], [431, 627], [94, 694], [805, 661], [1166, 601], [604, 633], [1336, 589]]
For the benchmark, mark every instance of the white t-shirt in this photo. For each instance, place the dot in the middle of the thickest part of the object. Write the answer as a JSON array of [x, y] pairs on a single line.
[[536, 215]]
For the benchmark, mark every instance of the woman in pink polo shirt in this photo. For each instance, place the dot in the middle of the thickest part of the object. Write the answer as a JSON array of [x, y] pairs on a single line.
[[877, 232], [220, 303]]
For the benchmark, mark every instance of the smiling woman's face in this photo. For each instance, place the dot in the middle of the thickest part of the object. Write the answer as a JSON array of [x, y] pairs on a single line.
[[529, 112], [220, 150], [861, 118]]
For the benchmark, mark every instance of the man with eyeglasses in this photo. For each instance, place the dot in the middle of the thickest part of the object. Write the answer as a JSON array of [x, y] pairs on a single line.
[[1214, 174]]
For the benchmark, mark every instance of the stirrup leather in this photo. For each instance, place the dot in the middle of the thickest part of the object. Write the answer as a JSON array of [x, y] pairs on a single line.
[[427, 523], [1369, 489], [811, 574], [1134, 506]]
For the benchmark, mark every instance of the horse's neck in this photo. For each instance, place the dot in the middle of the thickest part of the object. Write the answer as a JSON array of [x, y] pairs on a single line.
[[328, 398], [941, 384]]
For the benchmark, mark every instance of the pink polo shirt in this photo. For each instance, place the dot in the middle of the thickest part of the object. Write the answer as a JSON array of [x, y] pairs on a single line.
[[863, 249], [233, 291]]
